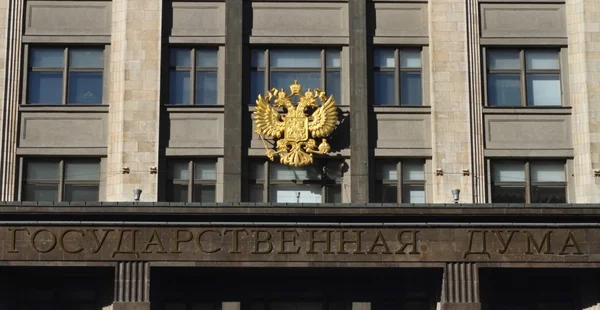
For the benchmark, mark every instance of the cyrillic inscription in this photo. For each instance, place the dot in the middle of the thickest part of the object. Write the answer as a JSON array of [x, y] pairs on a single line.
[[295, 244]]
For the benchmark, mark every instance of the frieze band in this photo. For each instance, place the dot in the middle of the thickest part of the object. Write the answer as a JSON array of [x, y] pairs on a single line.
[[298, 244]]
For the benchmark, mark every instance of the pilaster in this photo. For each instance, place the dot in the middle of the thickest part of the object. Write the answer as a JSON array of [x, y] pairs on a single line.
[[460, 287], [133, 121], [10, 81], [359, 102], [478, 177], [450, 110], [583, 29], [132, 286], [233, 114]]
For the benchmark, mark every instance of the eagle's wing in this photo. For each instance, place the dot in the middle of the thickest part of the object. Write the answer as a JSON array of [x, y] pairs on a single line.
[[268, 120], [324, 119]]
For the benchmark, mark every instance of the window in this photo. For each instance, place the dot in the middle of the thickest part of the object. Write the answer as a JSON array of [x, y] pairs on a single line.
[[192, 180], [61, 180], [193, 76], [523, 78], [408, 188], [529, 182], [273, 182], [312, 68], [65, 75], [397, 84]]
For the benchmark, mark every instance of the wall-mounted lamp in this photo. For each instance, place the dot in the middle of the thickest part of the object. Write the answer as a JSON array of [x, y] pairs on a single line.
[[456, 195], [136, 194], [125, 170], [466, 172], [153, 170], [597, 173], [439, 172]]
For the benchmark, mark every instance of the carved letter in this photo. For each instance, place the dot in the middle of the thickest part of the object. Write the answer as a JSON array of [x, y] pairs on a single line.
[[258, 242], [13, 238], [178, 240], [470, 245], [99, 241], [61, 241], [379, 242], [284, 240], [132, 250], [413, 241], [357, 242], [154, 241], [506, 243], [199, 241], [570, 243], [538, 247], [235, 236], [52, 243], [312, 241]]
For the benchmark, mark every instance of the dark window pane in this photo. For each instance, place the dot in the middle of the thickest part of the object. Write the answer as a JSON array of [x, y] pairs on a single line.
[[47, 57], [256, 193], [333, 86], [332, 58], [384, 58], [82, 170], [384, 88], [206, 58], [503, 59], [543, 90], [284, 58], [548, 194], [504, 90], [45, 87], [85, 87], [204, 193], [179, 91], [206, 87], [42, 170], [411, 88], [86, 58], [334, 193], [413, 194], [283, 80], [257, 85], [81, 192], [386, 193], [508, 194], [40, 192], [178, 192], [180, 57]]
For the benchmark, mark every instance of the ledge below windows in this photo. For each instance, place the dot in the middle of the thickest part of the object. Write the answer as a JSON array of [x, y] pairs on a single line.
[[527, 110], [64, 108]]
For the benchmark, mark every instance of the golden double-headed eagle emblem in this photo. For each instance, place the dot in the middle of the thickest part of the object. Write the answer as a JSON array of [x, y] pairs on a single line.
[[294, 129]]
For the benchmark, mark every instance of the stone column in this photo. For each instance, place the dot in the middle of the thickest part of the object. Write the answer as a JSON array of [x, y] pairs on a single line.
[[361, 306], [132, 286], [359, 102], [451, 136], [460, 287], [133, 120], [233, 122], [583, 29], [10, 81], [231, 305]]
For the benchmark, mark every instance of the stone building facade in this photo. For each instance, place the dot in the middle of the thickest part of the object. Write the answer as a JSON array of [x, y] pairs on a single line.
[[494, 98]]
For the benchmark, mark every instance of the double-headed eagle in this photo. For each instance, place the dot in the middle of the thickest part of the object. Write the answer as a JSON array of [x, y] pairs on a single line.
[[294, 145]]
